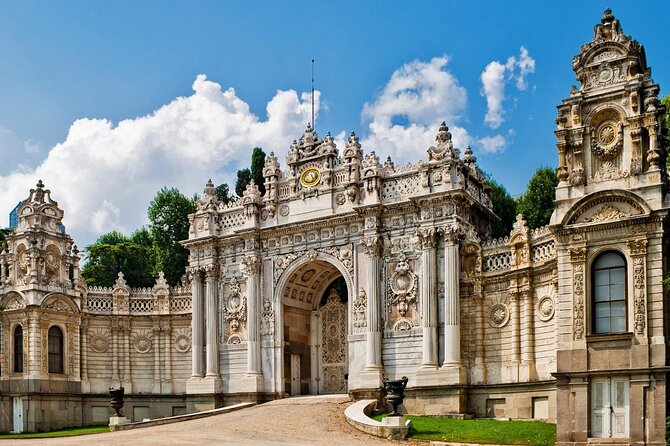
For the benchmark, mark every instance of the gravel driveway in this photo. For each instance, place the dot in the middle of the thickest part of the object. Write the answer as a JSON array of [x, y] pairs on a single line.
[[296, 421]]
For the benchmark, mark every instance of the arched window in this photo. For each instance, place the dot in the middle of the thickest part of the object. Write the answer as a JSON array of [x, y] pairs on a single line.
[[609, 293], [55, 350], [18, 349]]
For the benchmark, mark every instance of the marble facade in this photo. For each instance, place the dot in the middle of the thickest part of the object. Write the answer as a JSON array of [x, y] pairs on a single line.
[[349, 269]]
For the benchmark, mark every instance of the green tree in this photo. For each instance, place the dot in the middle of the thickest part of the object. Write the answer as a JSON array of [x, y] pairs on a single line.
[[113, 253], [243, 178], [666, 102], [168, 216], [255, 173], [537, 202], [4, 232], [504, 206], [257, 163], [223, 193]]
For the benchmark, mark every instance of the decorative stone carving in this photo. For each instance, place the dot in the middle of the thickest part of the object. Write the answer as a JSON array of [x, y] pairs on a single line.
[[639, 295], [142, 341], [267, 320], [606, 213], [99, 341], [402, 284], [235, 307], [578, 297], [499, 315], [545, 308], [250, 265], [182, 340], [637, 247], [444, 148], [359, 310], [608, 172], [403, 325]]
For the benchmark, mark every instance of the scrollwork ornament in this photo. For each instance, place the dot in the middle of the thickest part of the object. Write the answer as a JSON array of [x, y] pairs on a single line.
[[250, 265]]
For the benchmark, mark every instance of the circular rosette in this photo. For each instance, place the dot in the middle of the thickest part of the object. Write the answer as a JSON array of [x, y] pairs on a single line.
[[499, 315]]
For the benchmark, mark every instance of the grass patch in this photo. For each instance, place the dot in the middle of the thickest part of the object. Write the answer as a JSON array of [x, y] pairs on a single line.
[[532, 433], [68, 432]]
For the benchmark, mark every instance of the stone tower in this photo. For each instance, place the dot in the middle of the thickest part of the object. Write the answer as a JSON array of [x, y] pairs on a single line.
[[611, 206]]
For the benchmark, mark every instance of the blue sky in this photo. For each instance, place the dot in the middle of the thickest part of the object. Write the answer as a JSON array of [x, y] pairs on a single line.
[[72, 71]]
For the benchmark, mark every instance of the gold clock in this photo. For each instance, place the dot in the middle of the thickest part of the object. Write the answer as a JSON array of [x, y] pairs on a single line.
[[310, 177]]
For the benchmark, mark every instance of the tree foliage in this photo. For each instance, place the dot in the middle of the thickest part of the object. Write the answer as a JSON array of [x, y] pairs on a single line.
[[243, 179], [257, 163], [504, 206], [114, 252], [255, 173], [168, 214], [223, 193], [537, 202]]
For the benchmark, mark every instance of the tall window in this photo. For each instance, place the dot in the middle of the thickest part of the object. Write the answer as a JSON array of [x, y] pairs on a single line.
[[55, 350], [609, 293], [18, 349]]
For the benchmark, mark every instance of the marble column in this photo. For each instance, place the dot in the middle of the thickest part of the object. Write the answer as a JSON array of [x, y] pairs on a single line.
[[428, 288], [527, 352], [516, 328], [250, 267], [452, 327], [84, 348], [196, 325], [374, 336], [212, 322]]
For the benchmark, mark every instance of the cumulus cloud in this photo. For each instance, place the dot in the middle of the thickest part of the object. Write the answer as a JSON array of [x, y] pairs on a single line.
[[404, 118], [104, 176], [496, 76], [492, 144]]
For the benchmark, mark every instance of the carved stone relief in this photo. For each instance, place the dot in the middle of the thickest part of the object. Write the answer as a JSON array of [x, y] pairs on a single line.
[[359, 309], [578, 293], [639, 295]]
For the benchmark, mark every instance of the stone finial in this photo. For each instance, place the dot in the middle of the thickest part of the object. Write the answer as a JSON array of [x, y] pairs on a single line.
[[209, 190], [251, 194], [271, 166], [468, 157], [443, 136], [607, 17], [209, 199], [120, 281], [352, 148]]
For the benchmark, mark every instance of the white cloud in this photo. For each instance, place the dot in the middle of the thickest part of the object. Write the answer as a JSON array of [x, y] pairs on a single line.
[[492, 144], [104, 176], [496, 76], [404, 119]]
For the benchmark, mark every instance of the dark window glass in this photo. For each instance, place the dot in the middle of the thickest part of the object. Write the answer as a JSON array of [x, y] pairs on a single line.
[[609, 294], [55, 350], [18, 349]]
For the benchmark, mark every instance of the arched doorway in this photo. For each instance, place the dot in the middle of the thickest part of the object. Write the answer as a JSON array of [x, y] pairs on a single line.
[[314, 303]]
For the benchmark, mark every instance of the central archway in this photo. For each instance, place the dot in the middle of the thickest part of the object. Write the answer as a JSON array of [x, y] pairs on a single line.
[[313, 299]]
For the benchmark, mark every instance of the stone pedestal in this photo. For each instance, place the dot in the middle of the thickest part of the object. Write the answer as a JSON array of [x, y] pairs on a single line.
[[117, 421], [395, 421], [252, 382], [202, 386], [371, 378]]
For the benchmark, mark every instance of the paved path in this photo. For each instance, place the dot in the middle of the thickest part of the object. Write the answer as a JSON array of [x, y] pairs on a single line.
[[296, 421]]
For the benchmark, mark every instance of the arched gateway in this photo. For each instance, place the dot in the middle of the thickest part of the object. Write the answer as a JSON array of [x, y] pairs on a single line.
[[313, 294]]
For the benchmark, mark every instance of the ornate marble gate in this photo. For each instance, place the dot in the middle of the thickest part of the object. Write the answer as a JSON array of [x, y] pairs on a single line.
[[333, 355]]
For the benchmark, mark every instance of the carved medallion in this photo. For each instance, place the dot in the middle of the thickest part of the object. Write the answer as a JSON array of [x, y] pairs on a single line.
[[545, 308], [310, 177], [499, 315], [99, 343]]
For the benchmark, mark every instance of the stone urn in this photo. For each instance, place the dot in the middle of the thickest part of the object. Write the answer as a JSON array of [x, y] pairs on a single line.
[[395, 393], [117, 400]]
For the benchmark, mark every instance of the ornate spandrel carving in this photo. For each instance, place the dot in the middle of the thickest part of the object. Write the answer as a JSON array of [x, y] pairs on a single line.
[[607, 212], [640, 301]]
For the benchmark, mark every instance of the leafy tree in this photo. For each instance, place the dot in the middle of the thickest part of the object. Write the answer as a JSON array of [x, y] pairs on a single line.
[[243, 178], [113, 253], [4, 232], [666, 101], [168, 214], [223, 193], [537, 202], [257, 163], [504, 206]]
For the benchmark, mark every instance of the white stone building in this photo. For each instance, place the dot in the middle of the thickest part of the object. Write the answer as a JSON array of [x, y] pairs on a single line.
[[349, 270]]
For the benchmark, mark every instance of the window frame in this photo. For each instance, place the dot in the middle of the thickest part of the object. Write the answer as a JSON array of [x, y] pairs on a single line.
[[56, 359], [17, 349], [592, 294]]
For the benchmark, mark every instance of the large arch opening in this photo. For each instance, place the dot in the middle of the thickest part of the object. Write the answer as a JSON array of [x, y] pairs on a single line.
[[314, 305]]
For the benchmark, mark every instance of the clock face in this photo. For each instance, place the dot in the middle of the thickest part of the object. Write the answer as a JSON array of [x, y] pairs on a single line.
[[310, 177]]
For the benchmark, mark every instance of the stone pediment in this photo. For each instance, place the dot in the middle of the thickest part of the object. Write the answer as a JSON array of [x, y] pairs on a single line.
[[59, 302], [605, 208]]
